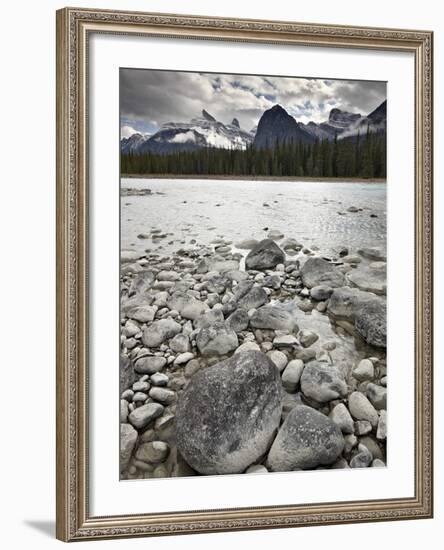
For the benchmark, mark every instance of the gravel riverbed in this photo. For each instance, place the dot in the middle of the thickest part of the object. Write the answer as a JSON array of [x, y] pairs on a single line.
[[252, 357]]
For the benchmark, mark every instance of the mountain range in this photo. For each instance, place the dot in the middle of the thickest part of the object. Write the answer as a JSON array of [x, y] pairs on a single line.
[[276, 125]]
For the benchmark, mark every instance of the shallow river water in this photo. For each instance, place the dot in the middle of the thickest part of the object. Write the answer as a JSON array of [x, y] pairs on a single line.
[[314, 213]]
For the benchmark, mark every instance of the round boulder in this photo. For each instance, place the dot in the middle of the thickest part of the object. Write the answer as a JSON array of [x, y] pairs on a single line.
[[307, 439], [227, 416], [265, 255], [319, 272]]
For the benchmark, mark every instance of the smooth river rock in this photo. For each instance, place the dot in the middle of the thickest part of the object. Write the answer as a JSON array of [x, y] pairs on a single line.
[[188, 306], [255, 298], [273, 318], [217, 339], [149, 364], [322, 383], [319, 272], [145, 414], [306, 439], [159, 331], [228, 415], [345, 301], [265, 255], [369, 279], [361, 408]]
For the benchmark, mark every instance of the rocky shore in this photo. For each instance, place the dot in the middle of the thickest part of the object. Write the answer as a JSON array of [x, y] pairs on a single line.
[[251, 357]]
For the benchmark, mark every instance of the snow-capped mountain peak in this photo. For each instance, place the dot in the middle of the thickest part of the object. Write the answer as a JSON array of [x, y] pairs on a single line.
[[203, 131]]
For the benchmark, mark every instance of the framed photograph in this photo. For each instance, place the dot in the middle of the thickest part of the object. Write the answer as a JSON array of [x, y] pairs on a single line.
[[244, 274]]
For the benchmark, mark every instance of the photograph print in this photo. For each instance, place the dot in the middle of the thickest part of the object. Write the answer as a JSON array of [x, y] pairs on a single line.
[[252, 274]]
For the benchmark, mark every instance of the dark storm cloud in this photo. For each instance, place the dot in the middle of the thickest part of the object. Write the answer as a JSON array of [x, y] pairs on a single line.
[[150, 98]]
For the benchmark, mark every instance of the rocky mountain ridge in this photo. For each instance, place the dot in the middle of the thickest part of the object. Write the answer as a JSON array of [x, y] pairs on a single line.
[[276, 125]]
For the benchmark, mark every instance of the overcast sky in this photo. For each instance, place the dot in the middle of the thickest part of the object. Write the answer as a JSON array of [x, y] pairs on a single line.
[[149, 98]]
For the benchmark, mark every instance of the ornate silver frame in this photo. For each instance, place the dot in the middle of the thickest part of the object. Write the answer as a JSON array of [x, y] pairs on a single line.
[[74, 521]]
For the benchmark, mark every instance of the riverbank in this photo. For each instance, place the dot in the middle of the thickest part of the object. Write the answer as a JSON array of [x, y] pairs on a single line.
[[251, 178], [233, 354]]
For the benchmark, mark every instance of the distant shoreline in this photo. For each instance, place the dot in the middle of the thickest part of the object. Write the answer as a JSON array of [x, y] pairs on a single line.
[[251, 178]]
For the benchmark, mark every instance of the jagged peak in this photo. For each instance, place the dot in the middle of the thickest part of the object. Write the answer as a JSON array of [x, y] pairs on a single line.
[[235, 122], [206, 115]]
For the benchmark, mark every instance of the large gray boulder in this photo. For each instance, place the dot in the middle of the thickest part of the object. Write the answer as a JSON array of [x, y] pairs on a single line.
[[345, 301], [367, 310], [159, 331], [217, 339], [322, 382], [369, 278], [265, 255], [307, 439], [317, 272], [371, 323], [273, 318], [229, 413]]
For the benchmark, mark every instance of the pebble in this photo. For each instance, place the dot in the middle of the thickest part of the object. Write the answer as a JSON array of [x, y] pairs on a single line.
[[143, 415], [128, 395], [322, 383], [140, 397], [372, 446], [321, 293], [362, 459], [342, 418], [362, 427], [292, 375], [361, 408], [279, 359], [163, 395], [285, 341], [149, 364], [364, 370], [140, 386], [180, 343], [159, 379]]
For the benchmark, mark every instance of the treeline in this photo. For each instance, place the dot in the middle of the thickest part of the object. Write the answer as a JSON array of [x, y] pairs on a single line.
[[357, 157]]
